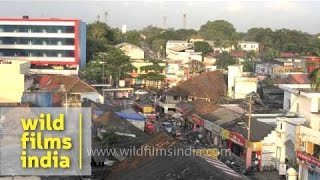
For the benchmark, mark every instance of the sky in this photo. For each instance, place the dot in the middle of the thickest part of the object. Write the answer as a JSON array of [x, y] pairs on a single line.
[[299, 15]]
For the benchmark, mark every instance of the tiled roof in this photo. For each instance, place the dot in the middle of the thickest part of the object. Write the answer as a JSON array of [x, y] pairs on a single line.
[[259, 130], [210, 85], [70, 83], [292, 79], [147, 167], [238, 54], [127, 44], [288, 54]]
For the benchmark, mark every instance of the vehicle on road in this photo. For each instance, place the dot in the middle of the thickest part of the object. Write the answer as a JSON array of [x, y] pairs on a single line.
[[167, 127], [140, 92]]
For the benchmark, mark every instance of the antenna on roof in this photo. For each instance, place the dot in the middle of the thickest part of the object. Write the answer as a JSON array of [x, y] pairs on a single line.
[[98, 17], [184, 21], [164, 22], [106, 17]]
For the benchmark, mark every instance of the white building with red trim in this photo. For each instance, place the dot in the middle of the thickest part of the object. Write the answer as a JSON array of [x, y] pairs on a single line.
[[53, 46]]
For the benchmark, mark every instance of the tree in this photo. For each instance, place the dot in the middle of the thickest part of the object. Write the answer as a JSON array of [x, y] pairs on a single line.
[[114, 62], [202, 46], [314, 77], [195, 67], [133, 37], [109, 138], [153, 72], [158, 45], [270, 54], [217, 30], [99, 35], [224, 60]]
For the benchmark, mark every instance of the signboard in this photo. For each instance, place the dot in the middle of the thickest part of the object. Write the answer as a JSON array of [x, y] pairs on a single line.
[[225, 134], [237, 138], [256, 146], [148, 109], [208, 125], [197, 120], [308, 159], [282, 169]]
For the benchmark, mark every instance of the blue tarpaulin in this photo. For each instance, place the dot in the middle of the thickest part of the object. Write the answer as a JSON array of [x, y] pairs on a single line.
[[130, 115]]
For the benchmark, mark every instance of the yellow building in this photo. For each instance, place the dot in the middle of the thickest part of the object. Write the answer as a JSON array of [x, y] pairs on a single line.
[[133, 51], [12, 80], [138, 71]]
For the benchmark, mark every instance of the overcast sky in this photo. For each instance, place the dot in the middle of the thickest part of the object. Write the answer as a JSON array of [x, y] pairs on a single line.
[[243, 15]]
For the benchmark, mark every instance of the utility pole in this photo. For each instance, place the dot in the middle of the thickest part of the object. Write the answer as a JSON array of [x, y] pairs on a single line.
[[249, 149], [249, 118]]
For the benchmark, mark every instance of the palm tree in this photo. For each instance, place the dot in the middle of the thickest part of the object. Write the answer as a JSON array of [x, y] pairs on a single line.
[[314, 77]]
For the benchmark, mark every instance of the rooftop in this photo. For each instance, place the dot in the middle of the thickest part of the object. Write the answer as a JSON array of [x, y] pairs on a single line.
[[259, 130], [127, 44], [70, 83], [211, 85], [166, 167]]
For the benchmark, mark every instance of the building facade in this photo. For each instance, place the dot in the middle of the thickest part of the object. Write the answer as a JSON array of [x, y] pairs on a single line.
[[238, 84], [53, 46], [305, 101], [133, 51], [12, 80], [249, 46]]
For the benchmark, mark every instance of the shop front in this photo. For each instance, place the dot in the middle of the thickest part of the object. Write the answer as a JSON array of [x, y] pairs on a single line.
[[309, 166], [198, 123], [237, 144], [212, 132], [225, 135], [256, 153]]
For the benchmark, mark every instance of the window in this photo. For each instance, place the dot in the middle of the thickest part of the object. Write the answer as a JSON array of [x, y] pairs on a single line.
[[175, 97]]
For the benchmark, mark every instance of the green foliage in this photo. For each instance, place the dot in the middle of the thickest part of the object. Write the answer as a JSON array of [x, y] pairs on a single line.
[[202, 46], [114, 62], [248, 65], [159, 45], [133, 37], [224, 60], [154, 67], [99, 36], [284, 40], [219, 30], [195, 67], [270, 54], [153, 72], [152, 76], [315, 79], [156, 38], [109, 138], [268, 82]]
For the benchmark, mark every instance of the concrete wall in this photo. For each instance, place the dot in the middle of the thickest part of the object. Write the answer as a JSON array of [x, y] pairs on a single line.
[[249, 46], [184, 56], [133, 52], [233, 72], [244, 86], [94, 96], [12, 81]]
